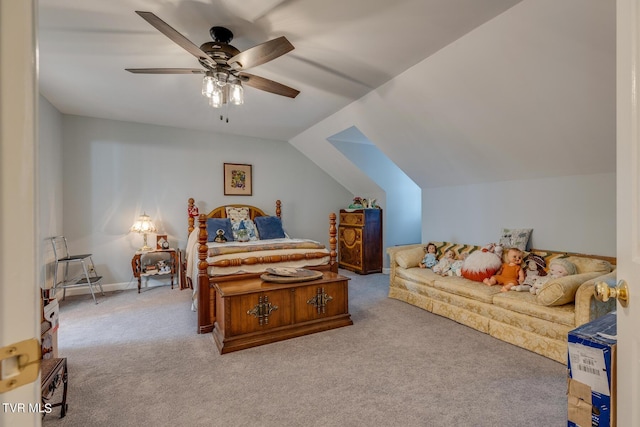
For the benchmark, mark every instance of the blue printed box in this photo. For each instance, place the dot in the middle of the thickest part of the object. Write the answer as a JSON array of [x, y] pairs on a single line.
[[592, 385]]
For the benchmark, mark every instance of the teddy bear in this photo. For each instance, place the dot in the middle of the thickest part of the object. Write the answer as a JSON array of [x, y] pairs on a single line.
[[534, 268], [559, 267]]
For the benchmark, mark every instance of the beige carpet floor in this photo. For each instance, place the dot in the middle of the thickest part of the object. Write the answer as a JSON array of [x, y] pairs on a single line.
[[136, 359]]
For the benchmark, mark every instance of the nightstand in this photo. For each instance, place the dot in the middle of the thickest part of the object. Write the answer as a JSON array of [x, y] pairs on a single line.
[[145, 264]]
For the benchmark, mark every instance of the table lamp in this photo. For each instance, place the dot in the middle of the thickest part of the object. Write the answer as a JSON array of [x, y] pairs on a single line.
[[144, 226]]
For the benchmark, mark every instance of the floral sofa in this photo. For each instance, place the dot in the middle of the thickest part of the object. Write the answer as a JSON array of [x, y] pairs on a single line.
[[539, 323]]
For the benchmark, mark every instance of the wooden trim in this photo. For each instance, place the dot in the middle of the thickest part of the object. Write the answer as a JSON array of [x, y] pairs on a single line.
[[221, 212], [611, 260]]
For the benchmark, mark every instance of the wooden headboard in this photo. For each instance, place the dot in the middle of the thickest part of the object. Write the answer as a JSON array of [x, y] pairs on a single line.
[[221, 212]]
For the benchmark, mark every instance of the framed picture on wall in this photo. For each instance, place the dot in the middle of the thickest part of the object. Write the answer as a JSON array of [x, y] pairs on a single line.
[[237, 179], [162, 242]]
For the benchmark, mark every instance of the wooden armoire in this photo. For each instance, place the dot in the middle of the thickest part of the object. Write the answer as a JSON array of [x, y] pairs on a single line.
[[360, 240]]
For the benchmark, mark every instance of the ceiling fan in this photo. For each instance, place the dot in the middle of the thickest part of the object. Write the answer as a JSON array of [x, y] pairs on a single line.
[[223, 64]]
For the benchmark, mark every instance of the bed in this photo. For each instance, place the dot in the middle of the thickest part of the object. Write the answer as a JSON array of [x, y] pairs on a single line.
[[208, 261]]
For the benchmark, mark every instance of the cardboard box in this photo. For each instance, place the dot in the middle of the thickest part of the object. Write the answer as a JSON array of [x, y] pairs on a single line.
[[591, 387]]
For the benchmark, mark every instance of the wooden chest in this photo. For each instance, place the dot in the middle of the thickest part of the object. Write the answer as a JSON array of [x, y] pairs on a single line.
[[360, 240], [251, 312]]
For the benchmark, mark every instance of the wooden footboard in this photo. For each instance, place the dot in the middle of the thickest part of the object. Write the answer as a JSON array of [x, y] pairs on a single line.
[[206, 293]]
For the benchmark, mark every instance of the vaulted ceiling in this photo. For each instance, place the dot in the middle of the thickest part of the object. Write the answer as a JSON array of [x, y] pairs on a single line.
[[529, 95], [455, 92], [343, 50]]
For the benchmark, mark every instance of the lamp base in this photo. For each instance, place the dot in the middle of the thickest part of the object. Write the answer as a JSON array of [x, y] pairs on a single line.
[[146, 247]]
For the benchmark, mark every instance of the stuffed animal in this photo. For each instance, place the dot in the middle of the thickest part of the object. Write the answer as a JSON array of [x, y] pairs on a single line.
[[444, 265], [220, 237], [482, 264], [510, 273], [534, 268], [163, 267], [559, 267]]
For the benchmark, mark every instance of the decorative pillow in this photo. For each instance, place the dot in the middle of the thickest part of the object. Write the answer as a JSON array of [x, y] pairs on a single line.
[[236, 214], [515, 238], [244, 230], [410, 257], [215, 224], [587, 265], [480, 265], [562, 290], [269, 227]]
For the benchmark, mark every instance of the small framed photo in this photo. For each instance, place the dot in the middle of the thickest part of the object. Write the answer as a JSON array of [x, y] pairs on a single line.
[[237, 179], [162, 242]]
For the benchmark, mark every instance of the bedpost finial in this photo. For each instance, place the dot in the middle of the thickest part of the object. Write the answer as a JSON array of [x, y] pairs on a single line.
[[278, 208]]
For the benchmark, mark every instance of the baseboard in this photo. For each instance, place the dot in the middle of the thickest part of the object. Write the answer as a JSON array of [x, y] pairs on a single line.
[[112, 287]]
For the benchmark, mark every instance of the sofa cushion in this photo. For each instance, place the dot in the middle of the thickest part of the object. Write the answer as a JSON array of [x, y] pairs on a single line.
[[466, 288], [562, 290], [525, 303], [421, 275], [410, 257]]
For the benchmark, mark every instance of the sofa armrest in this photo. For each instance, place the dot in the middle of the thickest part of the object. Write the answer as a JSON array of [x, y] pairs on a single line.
[[392, 251], [587, 307]]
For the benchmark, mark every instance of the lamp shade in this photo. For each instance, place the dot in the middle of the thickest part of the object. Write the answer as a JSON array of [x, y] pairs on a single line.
[[143, 225]]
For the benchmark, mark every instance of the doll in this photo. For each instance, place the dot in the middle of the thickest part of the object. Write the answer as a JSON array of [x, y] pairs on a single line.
[[510, 274], [444, 265], [429, 259], [535, 266], [456, 267], [559, 267]]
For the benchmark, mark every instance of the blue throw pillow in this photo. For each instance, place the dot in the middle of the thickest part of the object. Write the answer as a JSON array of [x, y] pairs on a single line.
[[216, 224], [269, 227]]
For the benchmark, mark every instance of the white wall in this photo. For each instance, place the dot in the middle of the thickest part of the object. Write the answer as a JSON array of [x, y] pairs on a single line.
[[574, 213], [402, 214], [115, 171], [525, 100], [50, 192]]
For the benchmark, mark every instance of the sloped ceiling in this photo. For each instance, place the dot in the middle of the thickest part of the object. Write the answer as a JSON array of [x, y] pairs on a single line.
[[529, 94], [343, 50]]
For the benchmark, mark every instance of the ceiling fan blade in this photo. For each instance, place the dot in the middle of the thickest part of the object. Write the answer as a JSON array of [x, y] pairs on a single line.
[[261, 53], [268, 85], [176, 37], [165, 70]]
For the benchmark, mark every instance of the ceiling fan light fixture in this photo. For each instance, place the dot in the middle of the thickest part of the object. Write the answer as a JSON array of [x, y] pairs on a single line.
[[217, 97], [236, 93], [208, 83], [221, 78]]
